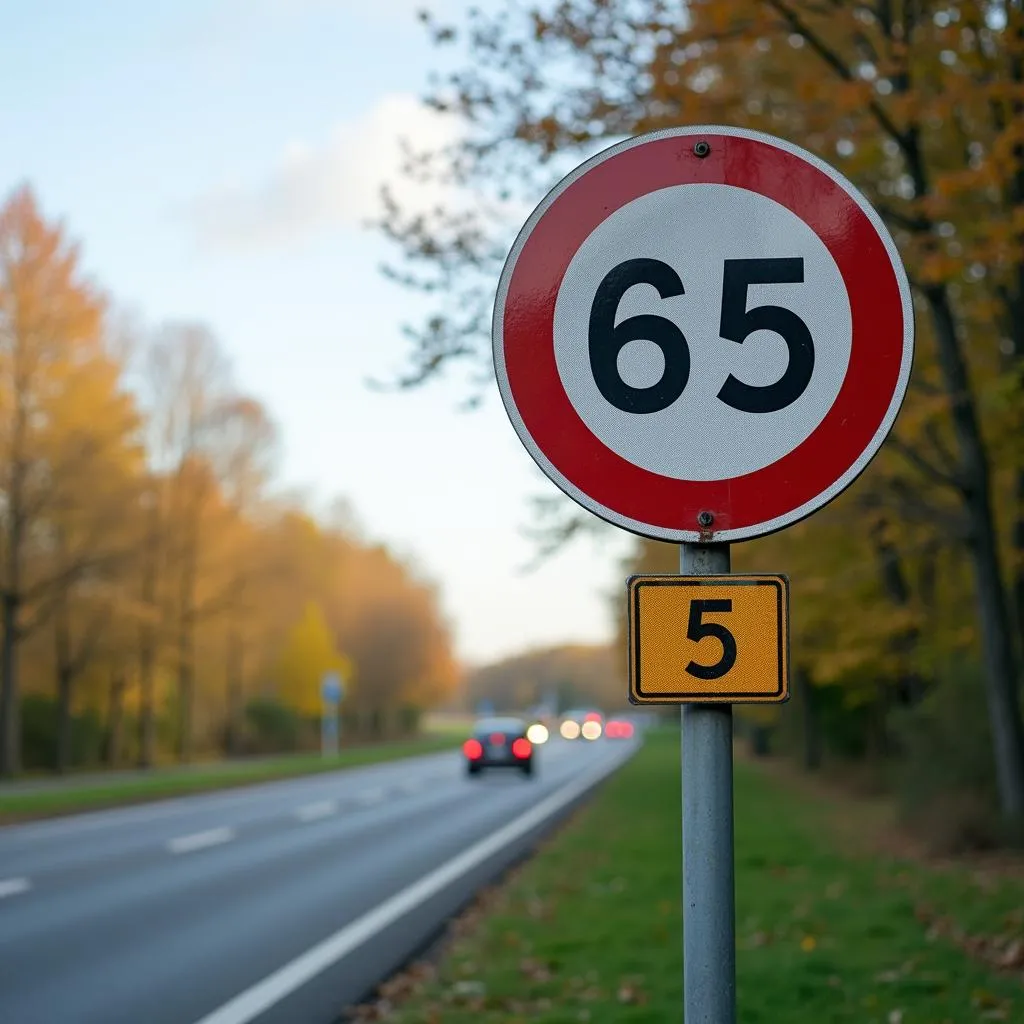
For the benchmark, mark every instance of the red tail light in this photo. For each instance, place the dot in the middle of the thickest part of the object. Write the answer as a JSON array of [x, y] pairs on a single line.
[[473, 749], [592, 716], [521, 748]]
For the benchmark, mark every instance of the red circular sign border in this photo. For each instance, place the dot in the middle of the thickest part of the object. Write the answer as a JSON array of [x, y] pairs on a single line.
[[787, 489]]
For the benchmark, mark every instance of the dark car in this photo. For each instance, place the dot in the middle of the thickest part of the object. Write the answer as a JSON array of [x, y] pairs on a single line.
[[498, 743]]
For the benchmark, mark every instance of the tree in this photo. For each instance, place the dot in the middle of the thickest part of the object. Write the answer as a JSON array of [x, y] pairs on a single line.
[[243, 462], [392, 631], [308, 653], [66, 437], [188, 383], [921, 106], [571, 674]]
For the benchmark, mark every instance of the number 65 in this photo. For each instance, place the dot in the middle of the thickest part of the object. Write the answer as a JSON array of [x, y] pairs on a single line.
[[607, 339]]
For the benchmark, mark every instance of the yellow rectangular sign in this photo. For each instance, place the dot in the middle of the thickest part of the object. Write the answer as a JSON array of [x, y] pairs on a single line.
[[708, 639]]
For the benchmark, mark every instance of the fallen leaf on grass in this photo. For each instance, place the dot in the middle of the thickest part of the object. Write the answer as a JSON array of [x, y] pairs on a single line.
[[1002, 952], [630, 992], [1012, 955], [535, 970], [468, 989], [993, 1006], [808, 943]]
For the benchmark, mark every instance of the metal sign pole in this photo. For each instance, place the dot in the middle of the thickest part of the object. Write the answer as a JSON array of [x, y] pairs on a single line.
[[709, 899]]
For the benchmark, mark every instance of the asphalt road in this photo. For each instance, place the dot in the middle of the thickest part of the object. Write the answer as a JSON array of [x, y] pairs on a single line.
[[277, 904]]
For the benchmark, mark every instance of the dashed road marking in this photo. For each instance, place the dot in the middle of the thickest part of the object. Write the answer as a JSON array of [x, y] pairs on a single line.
[[201, 840], [313, 812], [14, 886], [247, 1006]]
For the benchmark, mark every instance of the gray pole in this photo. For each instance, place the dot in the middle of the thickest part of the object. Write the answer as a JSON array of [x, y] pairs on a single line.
[[709, 901]]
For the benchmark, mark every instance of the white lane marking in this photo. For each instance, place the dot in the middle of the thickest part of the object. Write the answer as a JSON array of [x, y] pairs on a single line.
[[248, 1005], [126, 817], [201, 840], [371, 796], [313, 812], [14, 886]]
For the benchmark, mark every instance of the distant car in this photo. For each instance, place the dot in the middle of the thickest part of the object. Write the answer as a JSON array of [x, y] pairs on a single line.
[[618, 729], [585, 722], [498, 743]]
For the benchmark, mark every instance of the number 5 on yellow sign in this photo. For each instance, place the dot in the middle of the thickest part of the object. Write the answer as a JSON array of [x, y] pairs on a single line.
[[700, 639]]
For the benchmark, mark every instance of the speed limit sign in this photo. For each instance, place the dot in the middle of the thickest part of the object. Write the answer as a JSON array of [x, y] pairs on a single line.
[[703, 334]]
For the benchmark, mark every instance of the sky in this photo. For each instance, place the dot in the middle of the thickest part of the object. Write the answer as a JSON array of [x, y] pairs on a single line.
[[217, 161]]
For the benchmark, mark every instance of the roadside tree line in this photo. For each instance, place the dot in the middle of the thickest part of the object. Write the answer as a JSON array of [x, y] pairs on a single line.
[[158, 598], [909, 591], [567, 675]]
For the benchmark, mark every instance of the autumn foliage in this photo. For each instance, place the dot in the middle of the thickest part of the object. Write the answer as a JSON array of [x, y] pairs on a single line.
[[563, 677], [912, 585], [153, 587]]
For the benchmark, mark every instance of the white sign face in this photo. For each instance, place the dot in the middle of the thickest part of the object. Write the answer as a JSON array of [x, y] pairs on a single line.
[[698, 436], [703, 334]]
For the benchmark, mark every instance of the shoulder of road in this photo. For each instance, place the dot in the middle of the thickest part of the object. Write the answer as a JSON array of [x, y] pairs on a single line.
[[590, 928]]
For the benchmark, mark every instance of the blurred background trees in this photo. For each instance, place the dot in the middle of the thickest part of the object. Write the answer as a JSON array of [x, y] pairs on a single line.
[[908, 592], [561, 677], [158, 600]]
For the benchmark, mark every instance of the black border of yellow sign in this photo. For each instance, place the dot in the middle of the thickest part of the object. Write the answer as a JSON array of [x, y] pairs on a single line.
[[696, 696]]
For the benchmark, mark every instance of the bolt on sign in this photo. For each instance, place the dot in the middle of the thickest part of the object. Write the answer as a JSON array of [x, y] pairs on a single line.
[[715, 639]]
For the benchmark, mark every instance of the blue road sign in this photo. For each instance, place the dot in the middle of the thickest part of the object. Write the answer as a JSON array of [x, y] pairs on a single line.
[[331, 688]]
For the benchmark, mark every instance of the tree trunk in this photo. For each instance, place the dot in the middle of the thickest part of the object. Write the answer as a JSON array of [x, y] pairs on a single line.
[[185, 682], [115, 718], [1018, 550], [62, 650], [234, 692], [147, 712], [760, 740], [994, 615], [186, 638], [1001, 674], [10, 717], [148, 640], [64, 719], [810, 728]]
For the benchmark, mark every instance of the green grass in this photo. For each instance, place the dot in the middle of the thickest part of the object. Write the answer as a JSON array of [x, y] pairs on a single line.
[[168, 782], [589, 930]]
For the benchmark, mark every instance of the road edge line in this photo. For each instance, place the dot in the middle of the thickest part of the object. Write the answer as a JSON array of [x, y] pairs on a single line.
[[258, 998]]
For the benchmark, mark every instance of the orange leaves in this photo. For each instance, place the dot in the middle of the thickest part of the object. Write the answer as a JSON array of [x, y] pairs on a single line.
[[147, 554]]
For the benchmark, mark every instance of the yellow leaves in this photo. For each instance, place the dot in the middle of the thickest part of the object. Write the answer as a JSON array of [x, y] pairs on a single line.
[[308, 653], [808, 943]]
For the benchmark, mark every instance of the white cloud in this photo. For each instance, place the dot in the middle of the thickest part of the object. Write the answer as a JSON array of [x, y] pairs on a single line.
[[336, 183]]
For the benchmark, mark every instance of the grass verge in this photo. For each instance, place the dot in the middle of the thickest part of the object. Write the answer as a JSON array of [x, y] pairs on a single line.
[[161, 783], [589, 930]]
